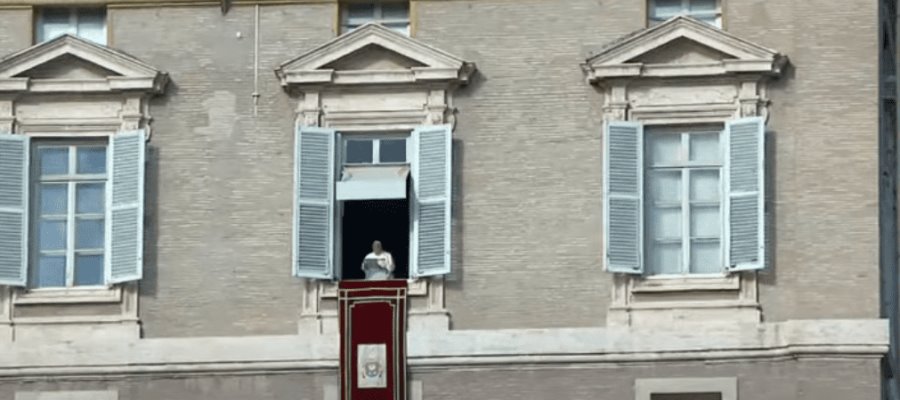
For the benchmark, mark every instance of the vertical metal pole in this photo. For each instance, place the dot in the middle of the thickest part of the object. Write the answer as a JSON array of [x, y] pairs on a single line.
[[887, 191]]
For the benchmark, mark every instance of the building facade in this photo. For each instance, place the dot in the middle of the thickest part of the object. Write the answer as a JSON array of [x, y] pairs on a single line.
[[624, 199]]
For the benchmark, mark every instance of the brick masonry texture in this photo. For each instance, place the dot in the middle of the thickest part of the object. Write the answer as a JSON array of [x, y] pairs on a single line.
[[795, 380], [529, 145]]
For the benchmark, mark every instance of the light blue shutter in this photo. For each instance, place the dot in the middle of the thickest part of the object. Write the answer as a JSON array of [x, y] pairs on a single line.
[[431, 176], [13, 209], [314, 168], [623, 197], [125, 207], [745, 188]]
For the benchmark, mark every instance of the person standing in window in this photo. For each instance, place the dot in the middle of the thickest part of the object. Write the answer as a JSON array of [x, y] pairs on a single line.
[[379, 264]]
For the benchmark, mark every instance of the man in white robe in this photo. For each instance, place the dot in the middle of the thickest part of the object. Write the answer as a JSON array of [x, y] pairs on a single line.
[[379, 264]]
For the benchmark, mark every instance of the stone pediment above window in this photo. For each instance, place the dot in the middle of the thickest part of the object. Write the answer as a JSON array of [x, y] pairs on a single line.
[[681, 47], [69, 64], [374, 55]]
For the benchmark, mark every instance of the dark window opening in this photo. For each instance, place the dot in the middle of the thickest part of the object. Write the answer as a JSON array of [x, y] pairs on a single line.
[[365, 221]]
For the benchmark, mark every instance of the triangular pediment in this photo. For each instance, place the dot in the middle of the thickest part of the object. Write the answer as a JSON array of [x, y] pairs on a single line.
[[71, 59], [681, 46], [373, 57], [373, 54]]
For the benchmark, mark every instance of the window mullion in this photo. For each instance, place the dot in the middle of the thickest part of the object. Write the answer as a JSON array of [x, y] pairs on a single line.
[[70, 222], [685, 206], [376, 151], [377, 13]]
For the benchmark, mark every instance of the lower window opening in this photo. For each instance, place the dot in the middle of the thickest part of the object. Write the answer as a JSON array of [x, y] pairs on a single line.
[[365, 221]]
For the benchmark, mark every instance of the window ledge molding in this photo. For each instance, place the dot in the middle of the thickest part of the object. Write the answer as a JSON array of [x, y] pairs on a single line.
[[417, 288], [664, 284], [644, 389], [68, 296]]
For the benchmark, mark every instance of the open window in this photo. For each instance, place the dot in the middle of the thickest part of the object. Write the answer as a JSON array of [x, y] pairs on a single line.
[[355, 188]]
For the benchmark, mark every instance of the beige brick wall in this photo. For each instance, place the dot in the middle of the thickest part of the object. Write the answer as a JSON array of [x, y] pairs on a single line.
[[795, 380], [219, 188]]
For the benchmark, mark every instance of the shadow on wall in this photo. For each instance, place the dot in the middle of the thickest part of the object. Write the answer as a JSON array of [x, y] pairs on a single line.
[[455, 278], [768, 276], [148, 284]]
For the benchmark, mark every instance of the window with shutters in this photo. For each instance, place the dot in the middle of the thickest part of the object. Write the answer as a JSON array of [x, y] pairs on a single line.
[[86, 23], [708, 11], [389, 187], [689, 201], [392, 14]]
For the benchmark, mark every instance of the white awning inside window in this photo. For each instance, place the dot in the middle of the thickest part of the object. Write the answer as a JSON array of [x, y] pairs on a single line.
[[373, 183]]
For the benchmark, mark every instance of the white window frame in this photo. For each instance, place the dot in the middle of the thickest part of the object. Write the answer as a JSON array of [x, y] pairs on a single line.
[[376, 139], [644, 389], [653, 19], [377, 16], [71, 182], [686, 167], [74, 16]]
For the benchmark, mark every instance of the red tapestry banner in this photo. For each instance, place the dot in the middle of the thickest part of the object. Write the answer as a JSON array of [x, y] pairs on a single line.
[[373, 339]]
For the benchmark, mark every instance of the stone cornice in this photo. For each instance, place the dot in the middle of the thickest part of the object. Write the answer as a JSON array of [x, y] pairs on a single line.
[[469, 349], [312, 68], [127, 73], [618, 59]]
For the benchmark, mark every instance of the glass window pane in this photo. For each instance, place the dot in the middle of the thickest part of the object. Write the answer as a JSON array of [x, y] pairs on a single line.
[[705, 222], [51, 272], [358, 151], [91, 160], [664, 148], [664, 258], [88, 233], [54, 160], [706, 257], [705, 185], [52, 235], [92, 25], [664, 223], [88, 270], [54, 198], [402, 27], [393, 150], [666, 8], [705, 147], [664, 186], [89, 198], [54, 22], [703, 5], [361, 11], [397, 10]]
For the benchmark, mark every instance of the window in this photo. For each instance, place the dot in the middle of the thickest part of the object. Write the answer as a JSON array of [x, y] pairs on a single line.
[[683, 170], [70, 182], [388, 187], [705, 10], [686, 389], [86, 23], [392, 14], [383, 149], [71, 212], [684, 201]]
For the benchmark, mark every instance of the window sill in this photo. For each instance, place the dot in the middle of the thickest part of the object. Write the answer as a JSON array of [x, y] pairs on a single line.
[[69, 296], [659, 284], [418, 287]]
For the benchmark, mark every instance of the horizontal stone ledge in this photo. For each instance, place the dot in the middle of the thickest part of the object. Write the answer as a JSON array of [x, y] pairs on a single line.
[[454, 349]]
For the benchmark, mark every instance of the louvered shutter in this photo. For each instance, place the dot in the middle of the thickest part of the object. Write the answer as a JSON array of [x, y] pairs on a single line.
[[125, 207], [431, 176], [314, 168], [623, 197], [745, 188], [13, 209]]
